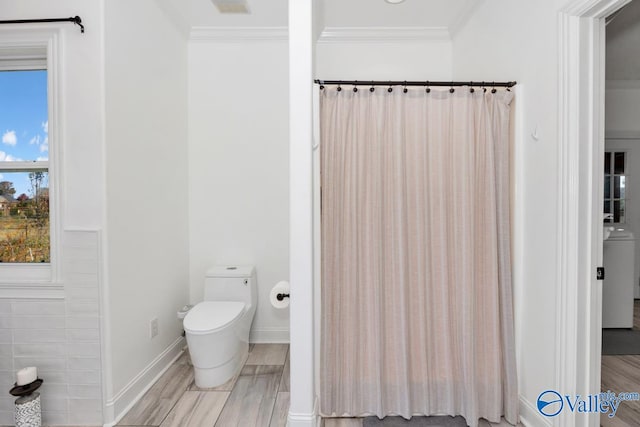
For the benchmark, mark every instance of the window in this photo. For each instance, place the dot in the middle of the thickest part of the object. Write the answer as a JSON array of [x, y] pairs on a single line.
[[24, 167], [30, 126], [615, 186]]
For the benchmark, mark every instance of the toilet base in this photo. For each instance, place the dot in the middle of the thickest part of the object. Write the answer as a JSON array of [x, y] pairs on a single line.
[[214, 377]]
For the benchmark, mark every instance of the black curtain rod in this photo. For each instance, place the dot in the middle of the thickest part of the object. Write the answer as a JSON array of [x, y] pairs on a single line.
[[76, 20], [412, 83]]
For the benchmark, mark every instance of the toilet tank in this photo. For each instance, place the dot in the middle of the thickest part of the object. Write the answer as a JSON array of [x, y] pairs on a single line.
[[231, 283]]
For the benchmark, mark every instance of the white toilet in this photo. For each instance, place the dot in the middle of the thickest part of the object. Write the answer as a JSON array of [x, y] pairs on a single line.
[[217, 329]]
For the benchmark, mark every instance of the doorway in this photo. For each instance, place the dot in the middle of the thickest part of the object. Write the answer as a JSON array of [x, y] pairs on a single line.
[[581, 156], [620, 362]]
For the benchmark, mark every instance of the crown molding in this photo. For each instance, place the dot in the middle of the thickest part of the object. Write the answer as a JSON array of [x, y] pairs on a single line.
[[464, 16], [383, 34], [328, 35], [176, 16], [238, 34]]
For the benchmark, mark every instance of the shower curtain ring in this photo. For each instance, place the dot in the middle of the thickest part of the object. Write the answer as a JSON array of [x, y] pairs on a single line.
[[451, 89], [339, 88], [390, 88], [471, 89], [405, 87], [428, 89], [493, 89], [355, 86], [371, 89]]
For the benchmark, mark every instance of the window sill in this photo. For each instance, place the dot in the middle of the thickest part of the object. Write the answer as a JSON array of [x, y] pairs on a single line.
[[31, 290], [14, 273]]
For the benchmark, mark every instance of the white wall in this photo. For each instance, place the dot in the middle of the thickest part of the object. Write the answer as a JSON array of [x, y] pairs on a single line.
[[147, 187], [61, 336], [622, 100], [517, 40], [238, 168], [383, 60], [623, 32]]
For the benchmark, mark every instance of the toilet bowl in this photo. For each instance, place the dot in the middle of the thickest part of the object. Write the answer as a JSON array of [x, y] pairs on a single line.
[[217, 329]]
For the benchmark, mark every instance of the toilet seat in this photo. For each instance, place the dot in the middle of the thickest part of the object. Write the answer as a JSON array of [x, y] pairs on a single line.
[[209, 316]]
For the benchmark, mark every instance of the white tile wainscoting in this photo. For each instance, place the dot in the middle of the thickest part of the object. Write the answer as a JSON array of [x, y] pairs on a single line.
[[61, 337]]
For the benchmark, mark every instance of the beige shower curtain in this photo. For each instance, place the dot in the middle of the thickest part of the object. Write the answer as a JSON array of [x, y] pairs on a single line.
[[417, 313]]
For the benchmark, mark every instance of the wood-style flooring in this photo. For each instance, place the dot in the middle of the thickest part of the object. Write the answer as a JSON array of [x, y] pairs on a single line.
[[622, 374], [257, 396], [358, 422]]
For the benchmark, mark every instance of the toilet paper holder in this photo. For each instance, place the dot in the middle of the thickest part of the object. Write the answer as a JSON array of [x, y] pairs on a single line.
[[280, 297], [278, 294]]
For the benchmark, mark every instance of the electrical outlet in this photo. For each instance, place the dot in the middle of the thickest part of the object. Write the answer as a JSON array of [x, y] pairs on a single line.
[[153, 327]]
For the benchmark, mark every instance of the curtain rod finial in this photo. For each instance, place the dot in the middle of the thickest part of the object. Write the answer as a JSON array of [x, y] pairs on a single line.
[[78, 21]]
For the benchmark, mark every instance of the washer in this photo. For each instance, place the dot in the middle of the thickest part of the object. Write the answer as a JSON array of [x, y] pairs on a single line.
[[618, 287]]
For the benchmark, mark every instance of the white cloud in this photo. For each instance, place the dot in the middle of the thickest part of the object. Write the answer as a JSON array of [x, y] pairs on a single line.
[[43, 144], [4, 157], [10, 138], [45, 126], [42, 159]]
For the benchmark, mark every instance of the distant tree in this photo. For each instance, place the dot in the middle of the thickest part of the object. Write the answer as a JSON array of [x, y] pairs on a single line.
[[22, 198], [6, 188], [36, 179], [40, 199]]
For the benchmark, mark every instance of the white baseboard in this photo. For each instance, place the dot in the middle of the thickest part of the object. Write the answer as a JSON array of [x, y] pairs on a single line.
[[529, 415], [269, 335], [124, 400], [306, 419], [302, 420]]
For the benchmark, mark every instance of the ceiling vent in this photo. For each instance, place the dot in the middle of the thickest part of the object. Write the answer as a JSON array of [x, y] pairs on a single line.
[[232, 6]]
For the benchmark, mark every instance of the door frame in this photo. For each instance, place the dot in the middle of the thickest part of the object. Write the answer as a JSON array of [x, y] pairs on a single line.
[[581, 35]]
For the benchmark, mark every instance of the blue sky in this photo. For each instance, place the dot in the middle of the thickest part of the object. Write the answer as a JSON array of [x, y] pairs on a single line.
[[23, 121]]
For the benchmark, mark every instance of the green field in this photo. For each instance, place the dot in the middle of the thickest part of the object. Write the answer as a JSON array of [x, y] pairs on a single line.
[[24, 239]]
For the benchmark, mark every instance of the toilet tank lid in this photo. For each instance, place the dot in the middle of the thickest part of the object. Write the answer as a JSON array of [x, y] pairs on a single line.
[[209, 316], [230, 271]]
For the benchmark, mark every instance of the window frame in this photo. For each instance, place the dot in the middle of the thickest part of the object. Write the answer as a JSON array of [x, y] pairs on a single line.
[[27, 48], [612, 199]]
